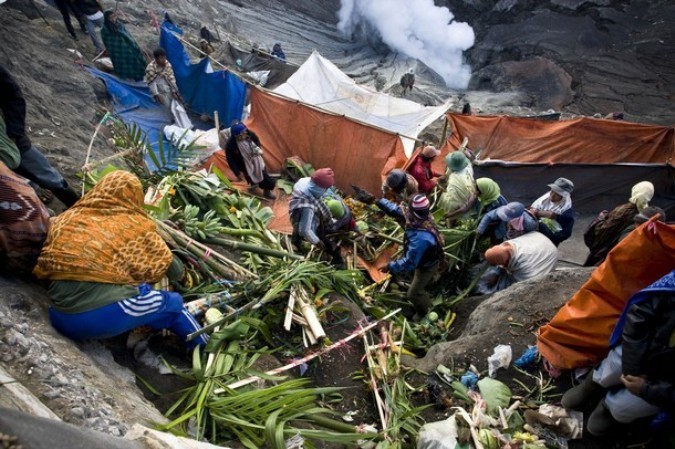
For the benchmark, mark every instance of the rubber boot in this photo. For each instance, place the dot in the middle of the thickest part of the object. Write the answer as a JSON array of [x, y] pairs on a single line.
[[587, 392], [600, 422], [66, 195]]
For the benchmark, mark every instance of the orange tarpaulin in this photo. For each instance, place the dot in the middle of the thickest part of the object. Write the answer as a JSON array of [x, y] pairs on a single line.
[[578, 335], [576, 141], [359, 154]]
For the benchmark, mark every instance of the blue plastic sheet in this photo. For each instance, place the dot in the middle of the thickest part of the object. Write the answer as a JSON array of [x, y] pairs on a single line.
[[133, 103], [204, 92]]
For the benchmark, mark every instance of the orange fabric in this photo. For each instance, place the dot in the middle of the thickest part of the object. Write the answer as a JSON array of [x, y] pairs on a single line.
[[576, 141], [105, 237], [578, 335], [358, 154]]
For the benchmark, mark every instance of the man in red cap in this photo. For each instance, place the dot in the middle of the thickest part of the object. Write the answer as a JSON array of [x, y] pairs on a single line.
[[310, 216], [423, 250]]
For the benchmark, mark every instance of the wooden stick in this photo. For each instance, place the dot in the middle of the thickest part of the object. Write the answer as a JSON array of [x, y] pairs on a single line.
[[91, 143], [90, 167], [309, 357]]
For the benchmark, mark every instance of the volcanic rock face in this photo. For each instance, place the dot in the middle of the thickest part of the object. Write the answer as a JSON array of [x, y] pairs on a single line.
[[615, 54]]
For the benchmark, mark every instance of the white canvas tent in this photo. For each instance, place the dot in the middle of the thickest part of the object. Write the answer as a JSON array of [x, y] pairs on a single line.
[[320, 83]]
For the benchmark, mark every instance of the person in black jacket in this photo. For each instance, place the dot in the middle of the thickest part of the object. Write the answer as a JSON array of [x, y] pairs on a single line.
[[637, 379], [33, 165]]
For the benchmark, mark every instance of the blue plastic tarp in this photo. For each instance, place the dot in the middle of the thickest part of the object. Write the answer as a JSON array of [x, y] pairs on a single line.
[[133, 103], [204, 92]]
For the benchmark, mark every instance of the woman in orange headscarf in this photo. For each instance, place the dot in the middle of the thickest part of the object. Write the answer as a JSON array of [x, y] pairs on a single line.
[[102, 256]]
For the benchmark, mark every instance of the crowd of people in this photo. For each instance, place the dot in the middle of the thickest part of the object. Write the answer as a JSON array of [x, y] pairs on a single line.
[[103, 255]]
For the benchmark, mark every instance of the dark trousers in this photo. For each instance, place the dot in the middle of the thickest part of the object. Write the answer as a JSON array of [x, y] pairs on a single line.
[[35, 166], [65, 10], [417, 293]]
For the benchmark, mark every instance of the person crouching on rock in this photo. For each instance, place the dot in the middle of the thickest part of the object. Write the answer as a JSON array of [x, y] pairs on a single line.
[[399, 186], [244, 154], [103, 256], [636, 379], [310, 216], [423, 250]]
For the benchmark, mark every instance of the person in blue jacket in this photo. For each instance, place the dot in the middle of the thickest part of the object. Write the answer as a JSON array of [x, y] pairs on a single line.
[[506, 222], [423, 250]]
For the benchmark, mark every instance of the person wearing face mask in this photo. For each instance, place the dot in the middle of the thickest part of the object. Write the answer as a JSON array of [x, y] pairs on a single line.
[[310, 216], [554, 211]]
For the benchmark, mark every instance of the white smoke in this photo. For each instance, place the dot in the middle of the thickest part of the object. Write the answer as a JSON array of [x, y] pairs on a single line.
[[419, 29]]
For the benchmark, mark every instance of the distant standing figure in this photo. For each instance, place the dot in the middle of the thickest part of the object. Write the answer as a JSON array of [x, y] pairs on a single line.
[[408, 80], [206, 48], [93, 12], [160, 79], [126, 55], [277, 52], [65, 8]]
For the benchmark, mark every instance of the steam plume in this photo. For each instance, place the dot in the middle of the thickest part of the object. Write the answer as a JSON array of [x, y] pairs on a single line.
[[419, 29]]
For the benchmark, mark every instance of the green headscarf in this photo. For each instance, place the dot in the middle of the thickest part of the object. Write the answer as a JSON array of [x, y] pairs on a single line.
[[488, 190]]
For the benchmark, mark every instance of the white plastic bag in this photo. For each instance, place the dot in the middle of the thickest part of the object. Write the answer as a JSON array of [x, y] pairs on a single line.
[[438, 435], [500, 358], [180, 115]]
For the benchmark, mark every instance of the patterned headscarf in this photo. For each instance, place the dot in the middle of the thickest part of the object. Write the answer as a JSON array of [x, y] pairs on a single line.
[[106, 237], [641, 194]]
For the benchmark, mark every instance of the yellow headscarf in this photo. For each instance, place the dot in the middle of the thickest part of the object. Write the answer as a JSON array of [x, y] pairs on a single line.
[[641, 194], [105, 237]]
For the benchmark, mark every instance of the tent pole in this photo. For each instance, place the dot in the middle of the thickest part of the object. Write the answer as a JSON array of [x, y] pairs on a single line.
[[445, 131]]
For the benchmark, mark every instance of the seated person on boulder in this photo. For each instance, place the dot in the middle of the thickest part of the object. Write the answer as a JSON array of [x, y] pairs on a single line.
[[310, 216], [103, 256], [32, 164], [421, 169], [637, 378], [422, 252], [554, 211]]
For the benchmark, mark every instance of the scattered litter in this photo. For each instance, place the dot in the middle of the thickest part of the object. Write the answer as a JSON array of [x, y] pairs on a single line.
[[528, 358], [469, 379], [348, 416], [438, 435], [567, 424], [500, 358], [295, 442]]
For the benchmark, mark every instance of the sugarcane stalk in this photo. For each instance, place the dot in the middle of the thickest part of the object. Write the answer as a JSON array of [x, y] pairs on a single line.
[[309, 357], [373, 384], [288, 319], [241, 246], [213, 326]]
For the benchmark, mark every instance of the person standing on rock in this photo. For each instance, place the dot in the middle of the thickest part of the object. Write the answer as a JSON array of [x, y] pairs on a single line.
[[408, 80], [33, 164], [423, 250], [278, 53], [125, 54], [66, 7], [161, 81], [93, 14], [244, 151], [102, 257]]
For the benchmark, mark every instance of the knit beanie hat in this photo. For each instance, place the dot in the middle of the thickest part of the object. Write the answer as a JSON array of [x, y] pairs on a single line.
[[499, 255], [335, 207], [238, 129], [323, 177], [420, 205], [456, 161], [510, 211]]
